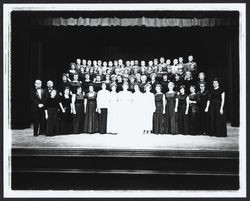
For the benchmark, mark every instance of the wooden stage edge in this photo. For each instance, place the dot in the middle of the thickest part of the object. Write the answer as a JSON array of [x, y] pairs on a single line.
[[123, 169], [114, 152]]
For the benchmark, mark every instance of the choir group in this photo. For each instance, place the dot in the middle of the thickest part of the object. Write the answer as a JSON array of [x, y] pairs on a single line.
[[101, 97]]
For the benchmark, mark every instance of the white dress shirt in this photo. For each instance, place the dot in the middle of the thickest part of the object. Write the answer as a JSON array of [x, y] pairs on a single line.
[[39, 91], [103, 99]]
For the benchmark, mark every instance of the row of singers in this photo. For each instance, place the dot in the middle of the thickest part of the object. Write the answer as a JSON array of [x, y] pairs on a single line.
[[132, 67], [126, 112], [119, 80]]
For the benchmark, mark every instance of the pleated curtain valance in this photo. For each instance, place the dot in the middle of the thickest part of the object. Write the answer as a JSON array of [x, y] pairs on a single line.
[[143, 21]]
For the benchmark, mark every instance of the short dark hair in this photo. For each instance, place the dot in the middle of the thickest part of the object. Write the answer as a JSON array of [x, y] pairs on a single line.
[[193, 87], [202, 83], [158, 85], [113, 84], [216, 79], [54, 90], [182, 87], [148, 85]]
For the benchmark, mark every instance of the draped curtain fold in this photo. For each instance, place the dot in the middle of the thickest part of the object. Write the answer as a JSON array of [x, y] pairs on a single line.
[[143, 21], [233, 77]]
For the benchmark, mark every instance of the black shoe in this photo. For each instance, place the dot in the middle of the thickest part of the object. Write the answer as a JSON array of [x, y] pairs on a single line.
[[35, 135]]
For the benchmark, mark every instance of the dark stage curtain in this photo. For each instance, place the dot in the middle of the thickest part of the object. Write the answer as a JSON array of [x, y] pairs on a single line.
[[20, 78], [142, 21], [233, 76]]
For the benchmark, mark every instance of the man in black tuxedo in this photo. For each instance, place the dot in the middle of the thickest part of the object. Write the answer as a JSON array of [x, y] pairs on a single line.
[[38, 99]]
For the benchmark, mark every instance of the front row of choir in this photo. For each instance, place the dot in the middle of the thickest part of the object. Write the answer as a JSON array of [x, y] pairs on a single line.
[[125, 112]]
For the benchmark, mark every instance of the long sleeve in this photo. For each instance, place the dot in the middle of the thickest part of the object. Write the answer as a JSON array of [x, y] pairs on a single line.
[[44, 96], [34, 99], [46, 104], [103, 99], [153, 102], [99, 99]]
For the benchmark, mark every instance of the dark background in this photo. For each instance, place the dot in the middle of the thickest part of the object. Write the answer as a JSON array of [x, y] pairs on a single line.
[[46, 52]]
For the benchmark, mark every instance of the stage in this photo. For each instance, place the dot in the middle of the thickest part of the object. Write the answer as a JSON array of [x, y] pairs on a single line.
[[24, 139]]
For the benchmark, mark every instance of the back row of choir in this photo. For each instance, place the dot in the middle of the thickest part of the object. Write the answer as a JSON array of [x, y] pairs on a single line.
[[133, 66], [85, 72], [126, 112]]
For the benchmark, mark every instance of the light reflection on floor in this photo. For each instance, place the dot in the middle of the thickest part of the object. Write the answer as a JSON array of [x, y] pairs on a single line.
[[24, 138]]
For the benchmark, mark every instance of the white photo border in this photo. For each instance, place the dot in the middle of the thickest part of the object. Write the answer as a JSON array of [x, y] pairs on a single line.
[[8, 8]]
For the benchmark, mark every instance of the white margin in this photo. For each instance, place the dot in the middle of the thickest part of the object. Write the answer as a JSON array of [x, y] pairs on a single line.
[[7, 8]]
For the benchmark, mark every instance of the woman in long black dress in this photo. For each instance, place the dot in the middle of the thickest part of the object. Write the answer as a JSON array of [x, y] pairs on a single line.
[[72, 71], [160, 102], [75, 83], [132, 83], [153, 82], [188, 81], [164, 83], [51, 113], [87, 81], [108, 81], [92, 73], [201, 79], [119, 83], [204, 97], [171, 117], [66, 112], [91, 116], [97, 83], [143, 83], [81, 75], [78, 111], [193, 112], [183, 107], [217, 114], [63, 84]]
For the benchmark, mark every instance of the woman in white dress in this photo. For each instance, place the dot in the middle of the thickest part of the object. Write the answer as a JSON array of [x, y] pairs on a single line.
[[148, 110], [125, 109], [137, 109], [112, 121]]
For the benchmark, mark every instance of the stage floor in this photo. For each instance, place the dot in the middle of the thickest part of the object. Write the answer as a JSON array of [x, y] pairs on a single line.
[[24, 139]]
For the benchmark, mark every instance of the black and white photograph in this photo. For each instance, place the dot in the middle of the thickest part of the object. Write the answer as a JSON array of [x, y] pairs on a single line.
[[124, 100]]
